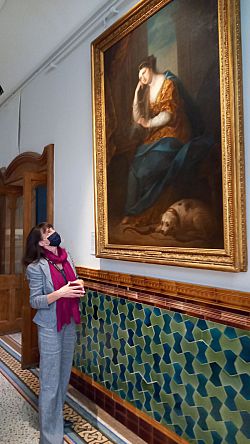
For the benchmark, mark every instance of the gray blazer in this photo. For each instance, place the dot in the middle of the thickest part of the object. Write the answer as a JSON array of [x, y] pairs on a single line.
[[40, 284]]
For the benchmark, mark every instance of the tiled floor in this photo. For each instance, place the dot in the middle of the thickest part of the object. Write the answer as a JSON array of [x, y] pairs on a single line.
[[19, 419]]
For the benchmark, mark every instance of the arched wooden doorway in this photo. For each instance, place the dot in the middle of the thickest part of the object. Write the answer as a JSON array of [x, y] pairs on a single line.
[[26, 198]]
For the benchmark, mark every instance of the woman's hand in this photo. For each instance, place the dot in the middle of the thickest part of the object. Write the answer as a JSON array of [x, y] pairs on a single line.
[[143, 122], [70, 290], [138, 87]]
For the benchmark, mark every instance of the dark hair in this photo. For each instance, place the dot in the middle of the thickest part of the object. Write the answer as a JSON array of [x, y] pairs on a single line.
[[148, 62], [33, 251]]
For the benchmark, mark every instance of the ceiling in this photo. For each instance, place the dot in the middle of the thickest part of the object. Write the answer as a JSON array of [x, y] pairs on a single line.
[[31, 30]]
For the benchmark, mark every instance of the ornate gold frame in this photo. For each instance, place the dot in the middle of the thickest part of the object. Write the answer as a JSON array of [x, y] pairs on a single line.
[[234, 255]]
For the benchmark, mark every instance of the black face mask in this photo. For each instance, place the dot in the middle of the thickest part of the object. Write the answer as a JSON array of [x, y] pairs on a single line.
[[54, 239]]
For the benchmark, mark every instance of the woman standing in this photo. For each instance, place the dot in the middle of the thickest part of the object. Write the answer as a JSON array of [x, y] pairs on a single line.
[[54, 292]]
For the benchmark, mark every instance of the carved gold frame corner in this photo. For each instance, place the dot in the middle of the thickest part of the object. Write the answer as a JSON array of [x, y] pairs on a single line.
[[234, 255]]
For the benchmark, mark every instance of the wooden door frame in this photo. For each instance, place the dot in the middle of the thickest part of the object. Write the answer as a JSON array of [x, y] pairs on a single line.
[[28, 170]]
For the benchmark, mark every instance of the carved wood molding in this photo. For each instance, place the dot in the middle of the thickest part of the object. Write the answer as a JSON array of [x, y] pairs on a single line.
[[222, 305], [28, 161]]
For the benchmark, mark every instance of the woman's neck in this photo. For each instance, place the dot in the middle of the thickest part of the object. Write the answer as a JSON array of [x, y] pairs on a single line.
[[53, 250]]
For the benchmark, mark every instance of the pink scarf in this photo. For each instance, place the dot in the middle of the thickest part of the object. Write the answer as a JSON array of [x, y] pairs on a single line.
[[66, 308]]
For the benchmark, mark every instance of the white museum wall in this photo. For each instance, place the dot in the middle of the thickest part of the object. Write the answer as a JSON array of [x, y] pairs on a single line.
[[56, 108]]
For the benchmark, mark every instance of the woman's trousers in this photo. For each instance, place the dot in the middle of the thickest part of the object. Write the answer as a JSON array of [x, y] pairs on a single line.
[[56, 355]]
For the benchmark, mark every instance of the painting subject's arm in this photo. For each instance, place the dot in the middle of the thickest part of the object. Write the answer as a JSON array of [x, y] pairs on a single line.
[[136, 111], [160, 120]]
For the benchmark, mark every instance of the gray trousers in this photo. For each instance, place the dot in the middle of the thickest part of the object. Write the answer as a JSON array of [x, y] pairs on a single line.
[[56, 355]]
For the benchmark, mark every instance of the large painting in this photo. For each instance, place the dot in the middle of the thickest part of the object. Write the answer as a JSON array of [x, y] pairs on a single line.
[[169, 163]]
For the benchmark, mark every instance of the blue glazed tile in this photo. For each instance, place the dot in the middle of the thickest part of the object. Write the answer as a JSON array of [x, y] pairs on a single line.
[[230, 361], [216, 405], [138, 380], [245, 352], [89, 321], [157, 311], [139, 405], [189, 363], [157, 389], [157, 416], [166, 386], [95, 314], [101, 302], [130, 337], [167, 412], [108, 298], [201, 389], [123, 301], [147, 320], [231, 432], [231, 393], [217, 439], [178, 430], [189, 394], [166, 357], [245, 390], [147, 404], [114, 357], [138, 331], [201, 355], [177, 373], [101, 326], [130, 390], [108, 317], [245, 428], [138, 357], [230, 332], [115, 381], [122, 347], [203, 414], [157, 360], [215, 378], [95, 335], [130, 314], [122, 394], [189, 331], [101, 352], [167, 319], [177, 346], [202, 324], [122, 373], [147, 347], [108, 340], [115, 330], [147, 374], [101, 373], [190, 427], [130, 364], [215, 343], [157, 331], [107, 365], [115, 306], [89, 343], [177, 406], [178, 317], [123, 321], [138, 306]]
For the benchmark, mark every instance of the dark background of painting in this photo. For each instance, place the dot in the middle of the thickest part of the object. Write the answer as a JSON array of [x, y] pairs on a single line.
[[184, 37]]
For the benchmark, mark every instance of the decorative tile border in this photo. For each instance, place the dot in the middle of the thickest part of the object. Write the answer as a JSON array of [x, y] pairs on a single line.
[[224, 306]]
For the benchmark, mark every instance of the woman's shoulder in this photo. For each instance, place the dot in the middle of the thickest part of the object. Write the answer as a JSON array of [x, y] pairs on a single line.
[[36, 265]]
